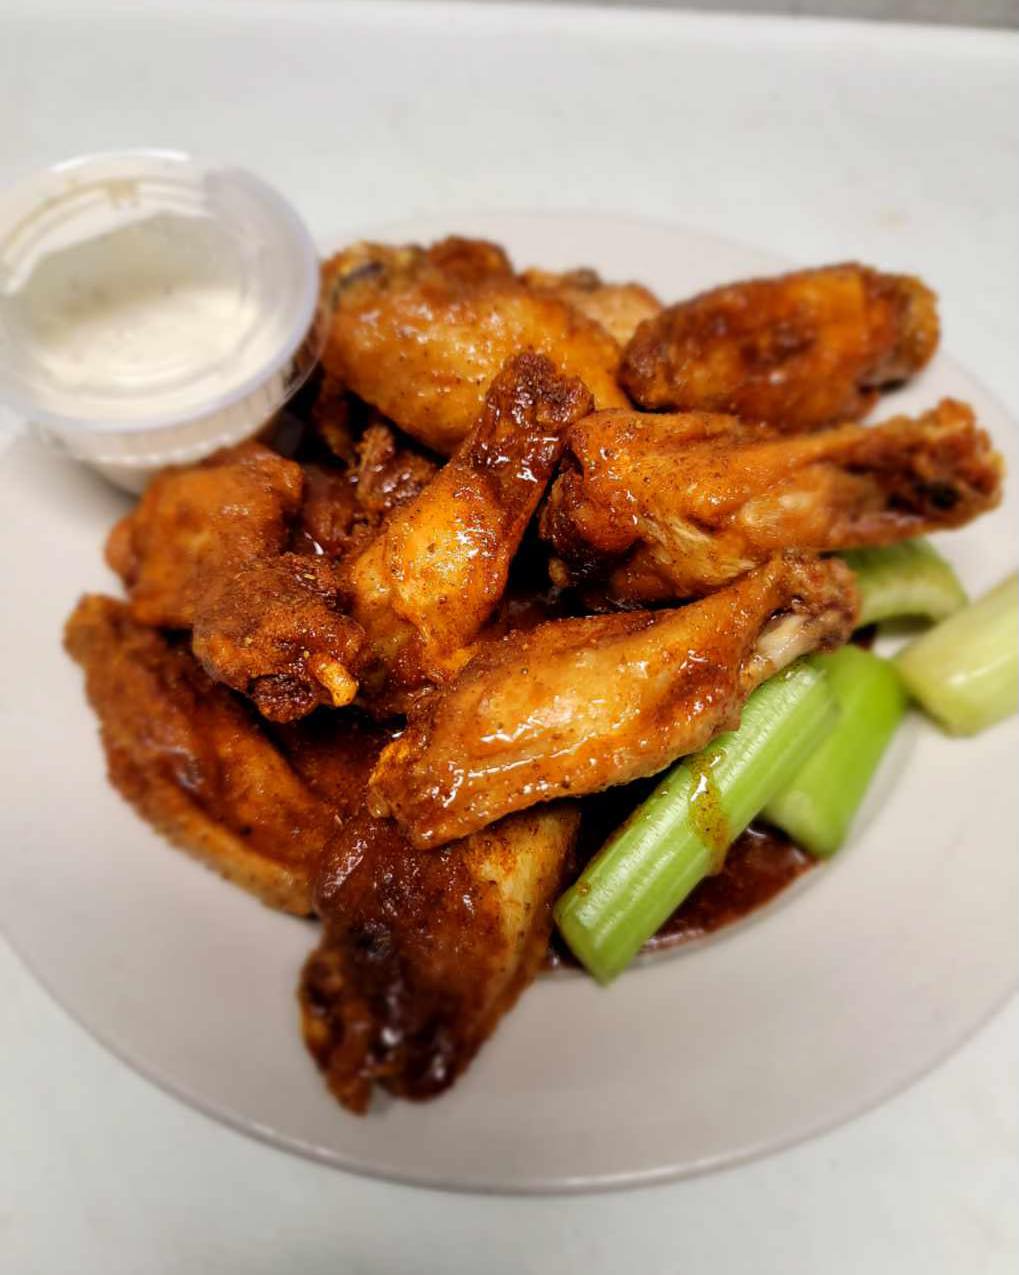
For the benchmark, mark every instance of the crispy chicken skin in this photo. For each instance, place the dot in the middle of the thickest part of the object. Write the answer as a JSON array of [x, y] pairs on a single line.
[[423, 953], [198, 525], [421, 334], [668, 507], [620, 308], [194, 762], [575, 706], [799, 351], [276, 633], [424, 587]]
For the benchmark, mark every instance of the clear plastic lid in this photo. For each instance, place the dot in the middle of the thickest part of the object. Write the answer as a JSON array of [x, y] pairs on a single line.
[[152, 307]]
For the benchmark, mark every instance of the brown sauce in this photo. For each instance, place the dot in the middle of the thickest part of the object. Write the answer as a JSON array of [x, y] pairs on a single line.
[[759, 865]]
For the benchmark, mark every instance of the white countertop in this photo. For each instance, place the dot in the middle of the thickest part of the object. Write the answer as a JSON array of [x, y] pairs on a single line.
[[819, 140]]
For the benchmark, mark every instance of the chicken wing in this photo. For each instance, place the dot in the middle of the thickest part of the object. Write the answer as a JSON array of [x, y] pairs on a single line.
[[344, 507], [421, 334], [620, 308], [195, 526], [423, 588], [666, 507], [575, 706], [276, 633], [193, 761], [799, 351], [423, 953]]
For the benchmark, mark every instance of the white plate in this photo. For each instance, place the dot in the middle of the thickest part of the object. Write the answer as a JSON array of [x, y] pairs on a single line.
[[849, 986]]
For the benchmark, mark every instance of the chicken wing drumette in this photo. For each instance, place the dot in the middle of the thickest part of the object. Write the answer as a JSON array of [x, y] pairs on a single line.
[[659, 508], [575, 706], [421, 334], [799, 351]]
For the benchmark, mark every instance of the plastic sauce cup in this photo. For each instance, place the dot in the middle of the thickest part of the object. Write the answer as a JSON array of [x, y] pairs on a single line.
[[152, 308]]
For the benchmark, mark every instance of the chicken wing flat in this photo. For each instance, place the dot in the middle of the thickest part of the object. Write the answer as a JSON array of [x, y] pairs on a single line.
[[424, 587], [276, 633], [666, 507], [421, 334], [193, 761], [620, 308], [423, 953], [195, 526], [575, 706], [799, 351]]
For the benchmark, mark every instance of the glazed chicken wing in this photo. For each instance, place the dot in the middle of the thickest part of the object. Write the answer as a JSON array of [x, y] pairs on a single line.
[[421, 334], [423, 953], [423, 588], [667, 507], [198, 525], [276, 633], [799, 351], [575, 706], [343, 508], [620, 308], [193, 760]]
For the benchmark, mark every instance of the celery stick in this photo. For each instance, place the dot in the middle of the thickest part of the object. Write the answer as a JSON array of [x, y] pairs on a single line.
[[817, 808], [907, 579], [965, 671], [681, 832]]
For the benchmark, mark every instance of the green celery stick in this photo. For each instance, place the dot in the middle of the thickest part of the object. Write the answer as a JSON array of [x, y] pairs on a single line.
[[907, 579], [680, 834], [965, 671], [817, 808]]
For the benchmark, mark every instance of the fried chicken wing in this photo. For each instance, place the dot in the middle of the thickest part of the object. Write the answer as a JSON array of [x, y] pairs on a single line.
[[193, 761], [575, 706], [423, 953], [198, 525], [276, 633], [329, 517], [423, 588], [421, 334], [799, 351], [620, 308], [343, 508], [334, 418], [666, 507]]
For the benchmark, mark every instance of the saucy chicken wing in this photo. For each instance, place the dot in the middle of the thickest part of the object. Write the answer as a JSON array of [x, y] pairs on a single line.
[[421, 334], [423, 588], [575, 706], [276, 633], [196, 526], [193, 761], [620, 308], [668, 507], [343, 508], [799, 351], [423, 953]]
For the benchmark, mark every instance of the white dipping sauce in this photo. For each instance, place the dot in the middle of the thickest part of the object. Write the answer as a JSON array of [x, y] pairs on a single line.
[[141, 310], [152, 307]]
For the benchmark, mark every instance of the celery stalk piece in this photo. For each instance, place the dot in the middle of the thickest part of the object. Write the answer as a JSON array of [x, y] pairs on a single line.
[[965, 671], [817, 808], [681, 832], [907, 579]]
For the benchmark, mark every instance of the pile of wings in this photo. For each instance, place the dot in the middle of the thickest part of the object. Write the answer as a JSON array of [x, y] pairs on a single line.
[[542, 536]]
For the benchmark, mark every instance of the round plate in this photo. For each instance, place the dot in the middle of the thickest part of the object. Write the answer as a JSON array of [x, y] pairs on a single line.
[[821, 1005]]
